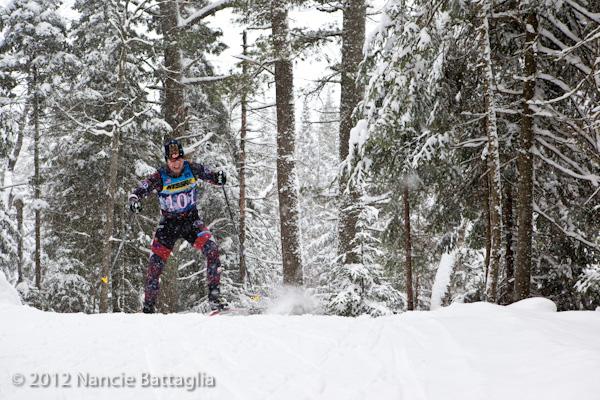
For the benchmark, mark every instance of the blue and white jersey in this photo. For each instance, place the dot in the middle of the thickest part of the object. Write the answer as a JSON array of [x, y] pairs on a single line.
[[178, 195]]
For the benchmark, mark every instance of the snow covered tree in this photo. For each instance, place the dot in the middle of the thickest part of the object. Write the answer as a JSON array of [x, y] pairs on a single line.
[[544, 106], [362, 288], [446, 105], [287, 184], [353, 40], [254, 151], [317, 161], [525, 227], [100, 110], [493, 155], [278, 55], [395, 139], [564, 146], [34, 40], [11, 239]]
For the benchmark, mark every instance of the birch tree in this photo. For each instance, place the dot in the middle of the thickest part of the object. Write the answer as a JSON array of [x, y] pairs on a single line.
[[493, 156]]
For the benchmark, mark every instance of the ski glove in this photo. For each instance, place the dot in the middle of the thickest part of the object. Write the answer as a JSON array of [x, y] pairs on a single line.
[[221, 179], [134, 204]]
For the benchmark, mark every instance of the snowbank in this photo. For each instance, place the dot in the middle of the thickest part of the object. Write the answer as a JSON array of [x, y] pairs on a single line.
[[535, 304], [8, 294], [461, 352]]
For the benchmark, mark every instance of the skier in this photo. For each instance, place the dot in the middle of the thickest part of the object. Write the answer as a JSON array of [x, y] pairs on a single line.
[[176, 187]]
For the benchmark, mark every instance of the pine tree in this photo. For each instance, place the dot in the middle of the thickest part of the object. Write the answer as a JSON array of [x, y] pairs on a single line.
[[286, 143], [563, 105], [353, 39], [100, 111], [32, 49], [317, 155]]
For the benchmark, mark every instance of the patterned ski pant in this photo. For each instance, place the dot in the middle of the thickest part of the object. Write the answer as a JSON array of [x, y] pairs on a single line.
[[195, 232]]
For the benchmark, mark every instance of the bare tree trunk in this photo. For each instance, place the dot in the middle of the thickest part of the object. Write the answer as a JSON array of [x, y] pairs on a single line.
[[111, 191], [173, 105], [353, 38], [286, 143], [525, 195], [110, 220], [242, 170], [116, 278], [37, 182], [175, 115], [12, 161], [488, 225], [168, 297], [408, 247], [19, 207], [494, 165], [509, 258]]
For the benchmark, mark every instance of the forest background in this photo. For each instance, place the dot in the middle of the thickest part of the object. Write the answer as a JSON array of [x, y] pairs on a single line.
[[447, 153]]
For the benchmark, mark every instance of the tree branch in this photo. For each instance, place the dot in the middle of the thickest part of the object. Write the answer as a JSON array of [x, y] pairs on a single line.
[[205, 12]]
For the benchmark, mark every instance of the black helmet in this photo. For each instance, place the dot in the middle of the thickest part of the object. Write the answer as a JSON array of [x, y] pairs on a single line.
[[173, 150]]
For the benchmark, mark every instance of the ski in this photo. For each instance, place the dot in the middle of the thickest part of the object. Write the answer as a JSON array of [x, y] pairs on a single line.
[[237, 311]]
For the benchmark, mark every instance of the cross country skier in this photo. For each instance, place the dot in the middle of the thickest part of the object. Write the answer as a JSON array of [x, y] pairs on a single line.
[[176, 187]]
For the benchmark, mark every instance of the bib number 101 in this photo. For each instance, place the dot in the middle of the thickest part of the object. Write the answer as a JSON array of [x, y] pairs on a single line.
[[180, 201]]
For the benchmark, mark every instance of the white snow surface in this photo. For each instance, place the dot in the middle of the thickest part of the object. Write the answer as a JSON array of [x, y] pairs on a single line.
[[463, 352]]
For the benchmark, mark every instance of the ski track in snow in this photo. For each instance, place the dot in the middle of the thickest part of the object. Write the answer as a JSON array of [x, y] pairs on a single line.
[[464, 352]]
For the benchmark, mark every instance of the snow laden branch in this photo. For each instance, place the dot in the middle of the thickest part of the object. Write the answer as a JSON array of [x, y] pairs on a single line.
[[99, 128], [568, 233], [593, 16], [261, 65], [593, 179], [203, 79], [574, 164], [205, 12], [409, 53], [14, 185], [568, 91], [192, 148]]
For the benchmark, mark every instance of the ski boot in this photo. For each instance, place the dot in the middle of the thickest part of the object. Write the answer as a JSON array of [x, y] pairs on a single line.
[[216, 302], [148, 308]]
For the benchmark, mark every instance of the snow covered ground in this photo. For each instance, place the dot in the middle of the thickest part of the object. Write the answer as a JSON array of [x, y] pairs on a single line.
[[465, 351]]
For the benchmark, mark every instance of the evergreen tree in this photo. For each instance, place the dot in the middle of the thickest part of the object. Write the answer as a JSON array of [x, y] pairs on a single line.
[[32, 49], [317, 155], [409, 122], [100, 114], [353, 39]]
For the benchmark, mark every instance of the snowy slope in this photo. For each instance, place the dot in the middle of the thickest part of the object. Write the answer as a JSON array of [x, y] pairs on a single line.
[[465, 351]]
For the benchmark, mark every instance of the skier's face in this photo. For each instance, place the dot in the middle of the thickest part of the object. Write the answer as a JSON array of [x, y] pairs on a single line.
[[175, 165]]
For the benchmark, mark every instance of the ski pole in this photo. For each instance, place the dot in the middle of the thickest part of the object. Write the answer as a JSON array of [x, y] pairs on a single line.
[[105, 278], [238, 236]]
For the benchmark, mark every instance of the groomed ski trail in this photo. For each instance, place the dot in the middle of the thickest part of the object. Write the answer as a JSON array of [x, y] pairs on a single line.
[[467, 352]]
